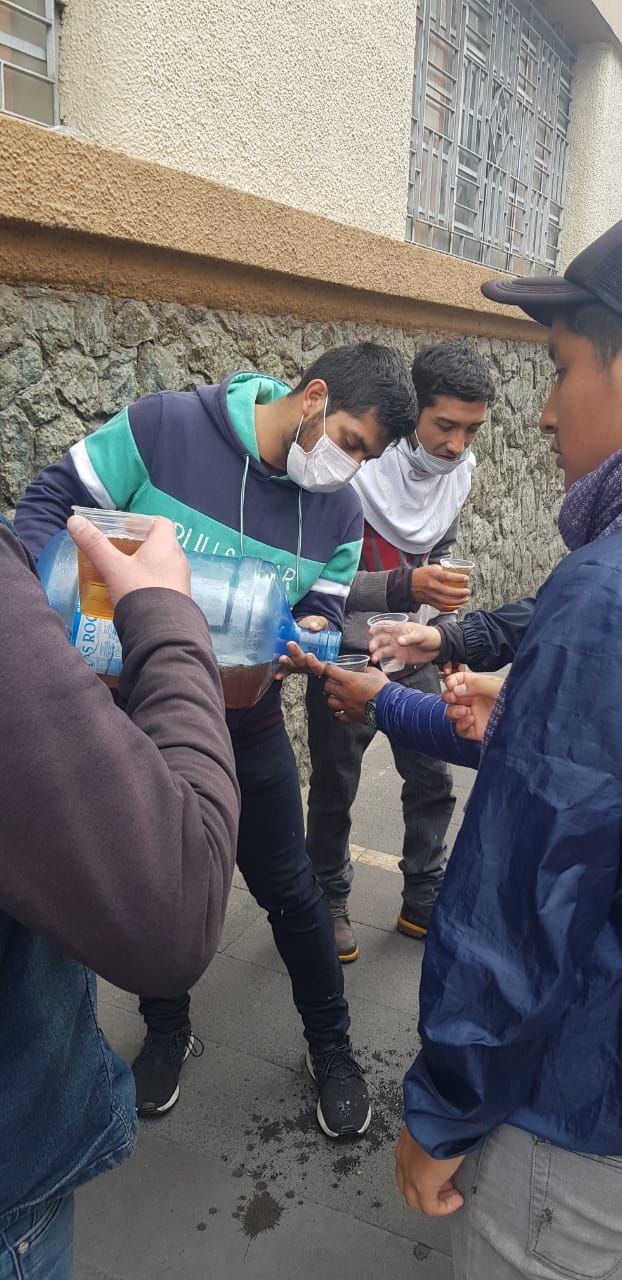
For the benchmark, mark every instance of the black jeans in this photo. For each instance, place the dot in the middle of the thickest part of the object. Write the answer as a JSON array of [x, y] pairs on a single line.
[[427, 801], [274, 862]]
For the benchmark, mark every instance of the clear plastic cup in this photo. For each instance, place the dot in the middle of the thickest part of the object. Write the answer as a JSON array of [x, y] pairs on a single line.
[[454, 564], [353, 661], [126, 530], [383, 623]]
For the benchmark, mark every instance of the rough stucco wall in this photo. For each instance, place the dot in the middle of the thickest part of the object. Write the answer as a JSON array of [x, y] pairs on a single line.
[[594, 181], [297, 102], [68, 361]]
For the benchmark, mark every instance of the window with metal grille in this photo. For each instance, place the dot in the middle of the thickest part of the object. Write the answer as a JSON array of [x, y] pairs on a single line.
[[28, 60], [491, 110]]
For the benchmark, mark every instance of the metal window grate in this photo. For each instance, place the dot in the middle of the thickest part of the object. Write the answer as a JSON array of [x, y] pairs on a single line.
[[28, 60], [490, 121]]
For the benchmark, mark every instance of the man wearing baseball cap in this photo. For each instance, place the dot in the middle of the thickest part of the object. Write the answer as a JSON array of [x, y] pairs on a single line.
[[513, 1108]]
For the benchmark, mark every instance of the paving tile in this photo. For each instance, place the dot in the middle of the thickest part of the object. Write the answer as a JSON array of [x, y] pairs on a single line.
[[375, 897], [388, 972], [83, 1271], [242, 913], [256, 945], [248, 1006]]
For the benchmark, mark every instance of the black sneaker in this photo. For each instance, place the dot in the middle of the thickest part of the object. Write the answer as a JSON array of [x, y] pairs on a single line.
[[343, 1107], [158, 1066]]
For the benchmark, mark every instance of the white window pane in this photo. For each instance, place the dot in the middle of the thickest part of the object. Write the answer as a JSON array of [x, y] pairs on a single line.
[[27, 96], [27, 30], [34, 6], [22, 60]]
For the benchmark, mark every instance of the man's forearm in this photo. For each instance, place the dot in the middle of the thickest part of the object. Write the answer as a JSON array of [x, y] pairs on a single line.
[[117, 848]]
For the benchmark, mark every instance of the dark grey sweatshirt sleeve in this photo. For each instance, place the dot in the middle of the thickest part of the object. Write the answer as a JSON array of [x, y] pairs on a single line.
[[117, 831], [485, 640], [446, 544]]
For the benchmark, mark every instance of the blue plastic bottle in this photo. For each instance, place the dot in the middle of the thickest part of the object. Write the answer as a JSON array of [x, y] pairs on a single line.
[[243, 600]]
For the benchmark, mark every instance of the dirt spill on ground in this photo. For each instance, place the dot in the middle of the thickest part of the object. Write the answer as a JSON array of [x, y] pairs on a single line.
[[291, 1148], [262, 1213]]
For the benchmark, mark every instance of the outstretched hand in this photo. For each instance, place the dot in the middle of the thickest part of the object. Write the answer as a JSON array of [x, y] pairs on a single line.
[[347, 692], [410, 645], [296, 661]]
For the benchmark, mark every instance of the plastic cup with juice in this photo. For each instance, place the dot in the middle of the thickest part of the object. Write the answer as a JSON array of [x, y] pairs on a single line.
[[454, 564], [126, 531], [383, 623]]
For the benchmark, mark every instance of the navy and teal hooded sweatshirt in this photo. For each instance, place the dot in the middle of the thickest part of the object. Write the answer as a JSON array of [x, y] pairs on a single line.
[[193, 456]]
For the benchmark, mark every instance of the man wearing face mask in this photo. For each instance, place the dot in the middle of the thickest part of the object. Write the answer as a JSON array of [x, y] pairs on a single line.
[[411, 500], [250, 467]]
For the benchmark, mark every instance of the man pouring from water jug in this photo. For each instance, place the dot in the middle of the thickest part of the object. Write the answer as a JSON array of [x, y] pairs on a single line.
[[253, 468]]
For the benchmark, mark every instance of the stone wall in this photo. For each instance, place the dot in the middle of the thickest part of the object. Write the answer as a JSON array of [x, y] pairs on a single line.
[[69, 361]]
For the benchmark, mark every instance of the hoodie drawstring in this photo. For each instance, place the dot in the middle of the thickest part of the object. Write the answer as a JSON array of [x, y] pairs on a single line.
[[242, 497], [299, 547]]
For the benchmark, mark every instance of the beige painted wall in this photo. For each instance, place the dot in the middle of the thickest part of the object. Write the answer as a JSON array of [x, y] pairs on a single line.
[[306, 103], [594, 182]]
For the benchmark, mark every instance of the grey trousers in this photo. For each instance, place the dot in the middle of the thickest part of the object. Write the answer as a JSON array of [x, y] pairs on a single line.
[[535, 1210], [427, 801]]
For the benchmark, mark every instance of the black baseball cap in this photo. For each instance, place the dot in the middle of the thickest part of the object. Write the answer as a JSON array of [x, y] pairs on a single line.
[[595, 275]]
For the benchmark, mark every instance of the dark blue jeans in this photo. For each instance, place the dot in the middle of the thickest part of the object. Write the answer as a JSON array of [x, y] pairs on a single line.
[[274, 862], [39, 1244]]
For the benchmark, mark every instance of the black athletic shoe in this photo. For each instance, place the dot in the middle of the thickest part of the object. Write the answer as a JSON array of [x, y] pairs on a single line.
[[158, 1066], [343, 1107]]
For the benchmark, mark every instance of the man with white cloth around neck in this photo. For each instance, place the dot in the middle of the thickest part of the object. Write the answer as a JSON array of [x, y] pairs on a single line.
[[411, 500]]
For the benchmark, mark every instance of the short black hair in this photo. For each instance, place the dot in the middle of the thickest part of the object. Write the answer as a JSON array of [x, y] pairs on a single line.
[[599, 324], [368, 377], [451, 369]]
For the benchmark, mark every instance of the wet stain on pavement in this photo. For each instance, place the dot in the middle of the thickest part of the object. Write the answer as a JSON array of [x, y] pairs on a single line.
[[262, 1213], [346, 1164]]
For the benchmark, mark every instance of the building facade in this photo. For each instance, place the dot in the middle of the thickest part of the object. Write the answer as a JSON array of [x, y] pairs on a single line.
[[193, 188]]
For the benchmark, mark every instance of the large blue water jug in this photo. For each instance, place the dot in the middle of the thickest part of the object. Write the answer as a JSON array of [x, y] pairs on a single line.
[[243, 600]]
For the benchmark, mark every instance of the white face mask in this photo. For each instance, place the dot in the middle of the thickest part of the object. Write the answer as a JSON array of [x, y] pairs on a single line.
[[324, 468], [430, 465]]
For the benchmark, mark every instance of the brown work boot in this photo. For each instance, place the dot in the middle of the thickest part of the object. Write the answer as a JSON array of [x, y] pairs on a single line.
[[345, 938], [413, 923]]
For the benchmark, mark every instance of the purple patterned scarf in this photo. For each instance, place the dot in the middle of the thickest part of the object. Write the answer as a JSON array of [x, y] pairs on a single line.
[[592, 509]]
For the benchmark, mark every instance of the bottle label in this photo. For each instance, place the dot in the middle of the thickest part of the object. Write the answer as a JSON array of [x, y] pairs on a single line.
[[96, 639]]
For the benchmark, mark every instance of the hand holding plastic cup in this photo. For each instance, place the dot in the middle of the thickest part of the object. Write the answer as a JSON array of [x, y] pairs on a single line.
[[389, 626], [454, 564], [126, 531]]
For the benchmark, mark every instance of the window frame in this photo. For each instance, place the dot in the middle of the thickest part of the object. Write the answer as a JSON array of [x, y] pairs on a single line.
[[504, 95], [24, 47]]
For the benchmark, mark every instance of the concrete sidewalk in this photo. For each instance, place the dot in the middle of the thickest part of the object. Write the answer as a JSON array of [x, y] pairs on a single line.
[[238, 1179]]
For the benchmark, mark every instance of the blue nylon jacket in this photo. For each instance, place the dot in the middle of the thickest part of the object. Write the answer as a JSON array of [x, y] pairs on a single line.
[[521, 993]]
